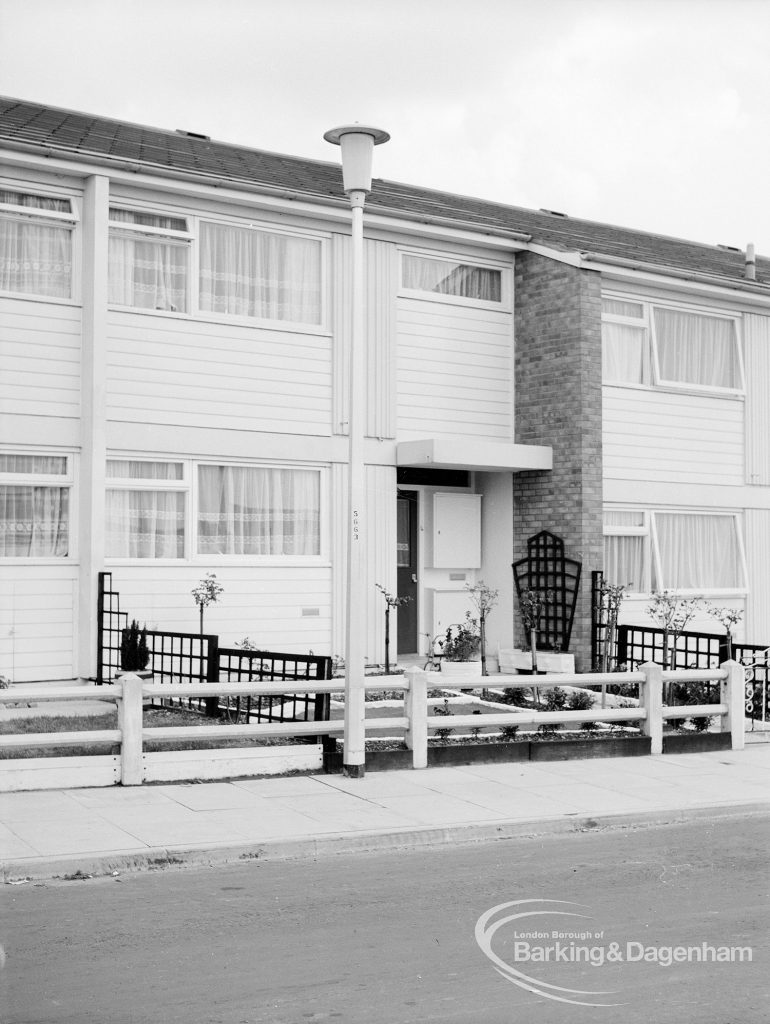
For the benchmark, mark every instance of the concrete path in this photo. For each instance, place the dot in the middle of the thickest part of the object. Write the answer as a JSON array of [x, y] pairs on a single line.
[[99, 831]]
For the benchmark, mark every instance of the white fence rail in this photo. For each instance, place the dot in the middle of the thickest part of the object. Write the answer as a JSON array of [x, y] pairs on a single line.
[[130, 692]]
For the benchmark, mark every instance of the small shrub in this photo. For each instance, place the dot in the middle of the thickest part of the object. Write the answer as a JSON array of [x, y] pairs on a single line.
[[580, 700], [518, 696], [444, 734], [553, 700], [509, 732], [134, 653]]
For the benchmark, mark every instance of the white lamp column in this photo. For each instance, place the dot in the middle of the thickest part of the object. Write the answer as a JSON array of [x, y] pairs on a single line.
[[357, 143]]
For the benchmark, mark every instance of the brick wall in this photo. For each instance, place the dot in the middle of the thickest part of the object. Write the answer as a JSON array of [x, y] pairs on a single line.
[[558, 402]]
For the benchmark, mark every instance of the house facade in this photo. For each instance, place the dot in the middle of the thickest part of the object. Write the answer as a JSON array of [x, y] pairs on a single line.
[[174, 330]]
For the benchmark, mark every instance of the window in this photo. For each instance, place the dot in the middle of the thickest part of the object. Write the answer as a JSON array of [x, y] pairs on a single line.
[[36, 244], [34, 505], [445, 277], [145, 509], [249, 510], [652, 344], [148, 260], [682, 551], [252, 273]]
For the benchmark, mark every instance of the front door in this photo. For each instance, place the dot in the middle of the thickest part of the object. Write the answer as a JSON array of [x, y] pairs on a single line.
[[406, 546]]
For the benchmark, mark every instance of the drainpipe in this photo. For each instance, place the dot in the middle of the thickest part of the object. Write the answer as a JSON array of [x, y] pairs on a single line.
[[750, 271]]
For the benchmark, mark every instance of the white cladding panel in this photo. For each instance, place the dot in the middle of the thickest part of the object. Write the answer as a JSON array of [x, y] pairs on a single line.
[[756, 331], [757, 527], [40, 358], [285, 608], [672, 437], [455, 371], [37, 622], [191, 373], [456, 531]]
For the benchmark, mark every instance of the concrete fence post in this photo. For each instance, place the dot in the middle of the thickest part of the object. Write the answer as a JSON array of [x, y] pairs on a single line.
[[732, 693], [130, 725], [416, 713], [652, 702]]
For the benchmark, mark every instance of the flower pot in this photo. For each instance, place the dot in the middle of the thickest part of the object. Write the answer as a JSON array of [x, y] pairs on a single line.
[[461, 668]]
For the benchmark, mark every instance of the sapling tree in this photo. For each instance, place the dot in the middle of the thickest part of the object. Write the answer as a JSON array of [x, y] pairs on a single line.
[[673, 614], [391, 601], [207, 592], [729, 617], [611, 596], [484, 598], [532, 604]]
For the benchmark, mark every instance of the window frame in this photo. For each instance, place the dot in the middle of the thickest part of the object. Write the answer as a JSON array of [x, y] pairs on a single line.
[[72, 221], [184, 239], [646, 323], [148, 484], [457, 259], [652, 553], [189, 486], [290, 326], [322, 557], [65, 481]]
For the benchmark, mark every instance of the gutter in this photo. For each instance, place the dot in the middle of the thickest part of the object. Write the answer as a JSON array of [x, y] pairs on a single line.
[[135, 168]]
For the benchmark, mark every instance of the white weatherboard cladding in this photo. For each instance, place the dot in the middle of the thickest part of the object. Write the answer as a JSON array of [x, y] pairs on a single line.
[[229, 376], [37, 622], [672, 437], [269, 604], [40, 358], [756, 332], [454, 370], [757, 536]]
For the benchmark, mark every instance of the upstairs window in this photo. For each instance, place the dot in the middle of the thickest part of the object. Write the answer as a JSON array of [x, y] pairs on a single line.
[[148, 260], [251, 273], [445, 277], [36, 244], [34, 505], [655, 345]]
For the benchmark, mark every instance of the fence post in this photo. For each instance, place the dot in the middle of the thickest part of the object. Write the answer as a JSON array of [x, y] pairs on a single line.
[[652, 702], [130, 724], [416, 713], [732, 694]]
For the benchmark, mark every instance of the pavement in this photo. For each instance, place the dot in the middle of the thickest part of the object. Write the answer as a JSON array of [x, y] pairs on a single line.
[[91, 832]]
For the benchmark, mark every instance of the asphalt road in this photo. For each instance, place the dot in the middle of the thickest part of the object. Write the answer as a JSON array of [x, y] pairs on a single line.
[[390, 938]]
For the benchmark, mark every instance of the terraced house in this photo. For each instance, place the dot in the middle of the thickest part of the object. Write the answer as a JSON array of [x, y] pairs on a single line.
[[174, 328]]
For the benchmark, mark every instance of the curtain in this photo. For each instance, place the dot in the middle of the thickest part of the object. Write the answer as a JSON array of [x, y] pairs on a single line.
[[694, 349], [129, 469], [625, 354], [258, 511], [144, 524], [42, 465], [34, 521], [244, 272], [147, 272], [698, 552], [459, 279], [35, 258]]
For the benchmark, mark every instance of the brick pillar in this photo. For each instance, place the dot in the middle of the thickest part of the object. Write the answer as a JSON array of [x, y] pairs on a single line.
[[558, 402]]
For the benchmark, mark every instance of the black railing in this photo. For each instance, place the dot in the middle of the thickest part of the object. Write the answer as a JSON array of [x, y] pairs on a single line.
[[237, 665], [111, 623], [638, 644]]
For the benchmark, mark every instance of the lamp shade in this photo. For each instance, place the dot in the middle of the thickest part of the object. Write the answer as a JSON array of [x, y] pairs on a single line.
[[356, 142]]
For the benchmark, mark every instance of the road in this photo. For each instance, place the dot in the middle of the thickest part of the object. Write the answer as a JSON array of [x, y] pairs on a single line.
[[389, 938]]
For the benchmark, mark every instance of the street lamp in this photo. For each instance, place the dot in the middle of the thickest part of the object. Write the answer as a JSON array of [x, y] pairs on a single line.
[[357, 143]]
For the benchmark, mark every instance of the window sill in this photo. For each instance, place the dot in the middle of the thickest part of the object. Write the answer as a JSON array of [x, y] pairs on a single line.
[[668, 389]]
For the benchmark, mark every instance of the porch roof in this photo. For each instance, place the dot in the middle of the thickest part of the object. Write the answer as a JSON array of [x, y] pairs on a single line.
[[482, 456]]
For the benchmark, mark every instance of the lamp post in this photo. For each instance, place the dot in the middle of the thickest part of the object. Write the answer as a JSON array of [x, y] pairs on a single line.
[[357, 143]]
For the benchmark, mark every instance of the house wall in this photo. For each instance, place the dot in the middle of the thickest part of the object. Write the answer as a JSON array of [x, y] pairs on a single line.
[[558, 403]]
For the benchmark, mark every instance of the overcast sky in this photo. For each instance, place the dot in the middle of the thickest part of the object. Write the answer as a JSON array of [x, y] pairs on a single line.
[[652, 114]]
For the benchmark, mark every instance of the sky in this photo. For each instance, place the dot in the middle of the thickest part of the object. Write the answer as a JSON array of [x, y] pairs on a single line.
[[651, 114]]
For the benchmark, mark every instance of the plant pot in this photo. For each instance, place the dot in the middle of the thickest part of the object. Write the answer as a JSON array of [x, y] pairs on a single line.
[[461, 668]]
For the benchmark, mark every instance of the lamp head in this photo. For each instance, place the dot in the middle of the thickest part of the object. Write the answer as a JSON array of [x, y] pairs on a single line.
[[357, 141]]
